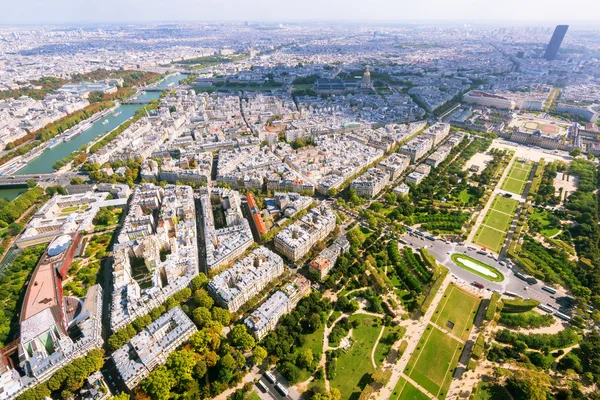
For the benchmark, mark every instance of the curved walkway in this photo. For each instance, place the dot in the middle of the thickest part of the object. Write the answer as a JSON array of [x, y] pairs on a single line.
[[375, 347]]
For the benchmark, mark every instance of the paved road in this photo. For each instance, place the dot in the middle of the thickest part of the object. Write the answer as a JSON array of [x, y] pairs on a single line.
[[442, 251]]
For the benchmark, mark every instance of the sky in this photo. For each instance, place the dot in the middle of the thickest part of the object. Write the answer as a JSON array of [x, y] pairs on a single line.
[[86, 11]]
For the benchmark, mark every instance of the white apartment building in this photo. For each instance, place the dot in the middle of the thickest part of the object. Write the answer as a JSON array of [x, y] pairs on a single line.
[[371, 182], [151, 347], [395, 165], [297, 239], [265, 318], [246, 278]]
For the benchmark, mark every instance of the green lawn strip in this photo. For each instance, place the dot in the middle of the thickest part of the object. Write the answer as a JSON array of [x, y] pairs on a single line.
[[386, 342], [456, 259], [313, 341], [490, 238], [432, 364], [404, 390], [505, 205], [542, 216], [513, 185], [355, 365], [459, 307], [498, 220], [520, 171]]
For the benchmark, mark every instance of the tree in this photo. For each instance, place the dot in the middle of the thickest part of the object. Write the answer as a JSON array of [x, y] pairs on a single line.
[[240, 337], [381, 376], [31, 183], [575, 152], [258, 355], [205, 340], [314, 322], [201, 316], [15, 228], [226, 366], [305, 359], [291, 372], [158, 384], [77, 181], [203, 299], [200, 369], [526, 384], [199, 281], [221, 315], [181, 363]]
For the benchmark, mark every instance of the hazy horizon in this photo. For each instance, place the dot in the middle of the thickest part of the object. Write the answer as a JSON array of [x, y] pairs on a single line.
[[575, 12]]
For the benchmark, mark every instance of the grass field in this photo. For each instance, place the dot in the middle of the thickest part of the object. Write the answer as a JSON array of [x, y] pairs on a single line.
[[456, 312], [433, 363], [404, 390], [490, 238], [496, 223], [498, 220], [390, 335], [517, 177], [543, 217], [313, 341], [505, 205], [354, 367], [514, 185]]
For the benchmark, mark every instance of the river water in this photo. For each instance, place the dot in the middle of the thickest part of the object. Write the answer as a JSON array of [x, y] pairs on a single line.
[[43, 163]]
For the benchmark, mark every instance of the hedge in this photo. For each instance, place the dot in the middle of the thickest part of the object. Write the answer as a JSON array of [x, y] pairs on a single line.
[[478, 347], [490, 313], [519, 305]]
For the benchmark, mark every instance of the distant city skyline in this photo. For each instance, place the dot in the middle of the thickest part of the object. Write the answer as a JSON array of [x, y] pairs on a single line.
[[474, 11]]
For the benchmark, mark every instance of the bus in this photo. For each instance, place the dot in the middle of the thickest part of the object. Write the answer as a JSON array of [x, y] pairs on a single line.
[[545, 308], [283, 391], [549, 289], [511, 294], [262, 386], [562, 316], [270, 377]]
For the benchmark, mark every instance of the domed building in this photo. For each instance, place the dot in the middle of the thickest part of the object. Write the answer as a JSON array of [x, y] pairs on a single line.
[[366, 80]]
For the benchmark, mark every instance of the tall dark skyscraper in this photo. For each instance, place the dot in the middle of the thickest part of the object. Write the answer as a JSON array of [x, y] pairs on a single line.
[[555, 42]]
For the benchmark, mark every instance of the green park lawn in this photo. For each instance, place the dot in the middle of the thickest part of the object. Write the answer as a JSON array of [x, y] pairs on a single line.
[[514, 185], [456, 312], [355, 366], [464, 196], [542, 216], [404, 390], [490, 238], [432, 364], [498, 220], [505, 205], [313, 341], [517, 177], [496, 223], [387, 341]]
